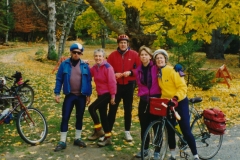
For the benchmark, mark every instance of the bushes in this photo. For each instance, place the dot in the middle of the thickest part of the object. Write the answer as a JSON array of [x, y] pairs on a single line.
[[184, 55]]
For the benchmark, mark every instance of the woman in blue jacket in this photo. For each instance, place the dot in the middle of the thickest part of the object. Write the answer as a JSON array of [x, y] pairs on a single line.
[[74, 78]]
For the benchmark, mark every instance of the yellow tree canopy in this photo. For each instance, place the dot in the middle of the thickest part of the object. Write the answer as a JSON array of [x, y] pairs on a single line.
[[174, 18]]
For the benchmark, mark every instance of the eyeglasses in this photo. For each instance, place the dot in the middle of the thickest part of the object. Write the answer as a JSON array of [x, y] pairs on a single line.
[[76, 52]]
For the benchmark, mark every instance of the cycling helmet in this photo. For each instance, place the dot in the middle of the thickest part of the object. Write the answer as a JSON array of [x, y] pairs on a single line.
[[161, 51], [122, 37], [76, 46]]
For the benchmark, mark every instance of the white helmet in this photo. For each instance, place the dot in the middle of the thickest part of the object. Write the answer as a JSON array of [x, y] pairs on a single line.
[[161, 51]]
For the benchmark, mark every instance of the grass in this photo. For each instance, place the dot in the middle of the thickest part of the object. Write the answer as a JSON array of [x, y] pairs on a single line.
[[43, 81]]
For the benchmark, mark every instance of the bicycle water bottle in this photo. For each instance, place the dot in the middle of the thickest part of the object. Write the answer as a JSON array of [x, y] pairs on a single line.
[[4, 113]]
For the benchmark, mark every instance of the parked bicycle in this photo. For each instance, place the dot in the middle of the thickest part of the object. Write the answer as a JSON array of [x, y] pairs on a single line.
[[156, 137], [30, 122], [25, 91]]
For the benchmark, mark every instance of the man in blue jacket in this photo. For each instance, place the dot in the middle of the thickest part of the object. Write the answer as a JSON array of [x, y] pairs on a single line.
[[74, 78]]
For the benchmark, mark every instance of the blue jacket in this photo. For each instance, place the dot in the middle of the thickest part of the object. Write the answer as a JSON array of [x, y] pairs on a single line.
[[63, 78]]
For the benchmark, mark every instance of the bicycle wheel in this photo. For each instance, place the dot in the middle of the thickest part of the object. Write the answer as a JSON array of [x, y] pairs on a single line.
[[26, 94], [155, 140], [207, 143], [32, 127]]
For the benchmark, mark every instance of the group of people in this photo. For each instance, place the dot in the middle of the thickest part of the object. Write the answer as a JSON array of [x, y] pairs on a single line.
[[115, 81]]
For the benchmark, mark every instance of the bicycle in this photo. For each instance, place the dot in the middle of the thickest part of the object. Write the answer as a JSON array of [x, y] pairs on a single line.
[[30, 122], [25, 91], [156, 137]]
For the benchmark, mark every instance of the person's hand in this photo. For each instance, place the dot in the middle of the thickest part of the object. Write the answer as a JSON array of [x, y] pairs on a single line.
[[112, 101], [87, 100], [173, 102], [118, 75], [57, 99], [127, 73]]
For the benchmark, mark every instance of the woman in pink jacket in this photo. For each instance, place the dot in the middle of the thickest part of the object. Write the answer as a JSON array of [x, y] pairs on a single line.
[[147, 81], [106, 87]]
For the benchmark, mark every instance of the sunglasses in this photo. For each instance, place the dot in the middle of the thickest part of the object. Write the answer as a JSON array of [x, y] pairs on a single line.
[[76, 52]]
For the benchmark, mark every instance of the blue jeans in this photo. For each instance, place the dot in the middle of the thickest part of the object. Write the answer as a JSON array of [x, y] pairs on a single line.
[[69, 101]]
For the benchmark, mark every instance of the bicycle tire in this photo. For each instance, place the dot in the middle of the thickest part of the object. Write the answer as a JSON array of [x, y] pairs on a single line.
[[158, 140], [26, 94], [207, 143], [32, 133]]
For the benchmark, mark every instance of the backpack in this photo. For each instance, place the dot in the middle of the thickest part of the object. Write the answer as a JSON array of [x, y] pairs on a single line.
[[215, 121]]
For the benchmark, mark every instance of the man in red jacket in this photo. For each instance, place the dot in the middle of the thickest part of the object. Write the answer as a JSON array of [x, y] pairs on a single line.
[[124, 61]]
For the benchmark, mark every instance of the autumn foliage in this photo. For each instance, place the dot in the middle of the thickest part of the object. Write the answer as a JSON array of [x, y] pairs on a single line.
[[26, 20]]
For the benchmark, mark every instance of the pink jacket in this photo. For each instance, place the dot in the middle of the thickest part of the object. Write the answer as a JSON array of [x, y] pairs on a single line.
[[104, 79]]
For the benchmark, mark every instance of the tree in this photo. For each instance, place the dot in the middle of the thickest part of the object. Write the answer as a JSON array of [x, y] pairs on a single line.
[[147, 22], [68, 11], [51, 25], [6, 19]]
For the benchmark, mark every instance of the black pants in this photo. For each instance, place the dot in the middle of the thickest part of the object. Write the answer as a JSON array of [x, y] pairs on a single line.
[[70, 101], [124, 92], [100, 104], [184, 123], [145, 118]]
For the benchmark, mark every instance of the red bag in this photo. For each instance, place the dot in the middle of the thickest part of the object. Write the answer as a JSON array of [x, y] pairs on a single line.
[[215, 121], [157, 106]]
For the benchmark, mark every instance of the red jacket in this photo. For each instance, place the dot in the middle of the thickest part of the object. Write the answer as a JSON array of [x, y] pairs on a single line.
[[128, 61]]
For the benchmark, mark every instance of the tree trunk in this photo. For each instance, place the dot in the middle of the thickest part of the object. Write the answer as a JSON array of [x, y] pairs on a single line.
[[134, 29], [215, 50], [101, 10], [51, 27]]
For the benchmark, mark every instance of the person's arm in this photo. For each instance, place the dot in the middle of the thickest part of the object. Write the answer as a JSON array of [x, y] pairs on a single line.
[[180, 86], [58, 84], [137, 63]]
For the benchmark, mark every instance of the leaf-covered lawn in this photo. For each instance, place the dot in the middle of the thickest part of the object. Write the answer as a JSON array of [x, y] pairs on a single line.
[[42, 80]]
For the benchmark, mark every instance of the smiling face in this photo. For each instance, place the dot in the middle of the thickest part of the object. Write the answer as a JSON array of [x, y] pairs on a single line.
[[98, 57], [160, 60], [123, 45], [145, 57]]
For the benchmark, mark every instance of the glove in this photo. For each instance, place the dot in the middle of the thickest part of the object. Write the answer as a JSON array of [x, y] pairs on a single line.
[[173, 102], [178, 68]]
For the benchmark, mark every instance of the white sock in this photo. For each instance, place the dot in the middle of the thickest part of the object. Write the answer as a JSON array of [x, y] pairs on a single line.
[[78, 134], [63, 136], [173, 153], [195, 156]]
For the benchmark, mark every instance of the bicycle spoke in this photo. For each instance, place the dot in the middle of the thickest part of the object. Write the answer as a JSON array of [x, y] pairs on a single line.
[[207, 144], [33, 129]]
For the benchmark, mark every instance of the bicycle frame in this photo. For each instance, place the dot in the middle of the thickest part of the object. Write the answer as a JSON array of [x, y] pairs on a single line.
[[14, 106]]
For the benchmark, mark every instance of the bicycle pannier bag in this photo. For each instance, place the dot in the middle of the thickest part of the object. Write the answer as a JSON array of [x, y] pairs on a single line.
[[215, 121], [156, 106]]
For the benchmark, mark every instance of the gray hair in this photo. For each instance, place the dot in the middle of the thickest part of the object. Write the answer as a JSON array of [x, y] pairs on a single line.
[[99, 50]]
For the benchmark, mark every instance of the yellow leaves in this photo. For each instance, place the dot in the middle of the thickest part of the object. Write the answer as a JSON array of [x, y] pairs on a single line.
[[118, 149], [17, 144]]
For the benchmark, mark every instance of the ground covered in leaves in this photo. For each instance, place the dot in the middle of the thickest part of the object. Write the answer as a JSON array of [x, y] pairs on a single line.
[[22, 58]]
